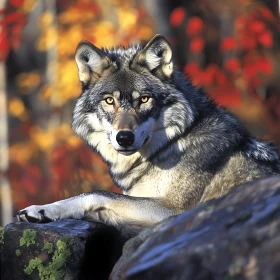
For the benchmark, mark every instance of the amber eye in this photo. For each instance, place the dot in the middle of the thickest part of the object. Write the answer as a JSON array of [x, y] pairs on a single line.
[[145, 99], [109, 100]]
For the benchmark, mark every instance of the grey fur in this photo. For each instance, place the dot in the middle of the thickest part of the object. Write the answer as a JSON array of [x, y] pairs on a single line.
[[187, 149]]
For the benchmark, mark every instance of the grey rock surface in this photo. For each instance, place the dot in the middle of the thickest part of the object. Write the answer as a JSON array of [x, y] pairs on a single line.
[[236, 236]]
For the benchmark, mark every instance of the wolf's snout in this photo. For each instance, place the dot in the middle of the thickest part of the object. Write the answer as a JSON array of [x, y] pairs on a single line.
[[125, 138]]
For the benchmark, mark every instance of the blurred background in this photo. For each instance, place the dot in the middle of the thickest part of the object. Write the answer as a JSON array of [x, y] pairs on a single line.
[[230, 48]]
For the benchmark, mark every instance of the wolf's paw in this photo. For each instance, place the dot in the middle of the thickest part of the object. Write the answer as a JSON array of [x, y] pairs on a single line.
[[36, 214]]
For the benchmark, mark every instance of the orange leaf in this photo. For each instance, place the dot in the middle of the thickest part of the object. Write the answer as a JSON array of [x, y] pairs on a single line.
[[232, 64], [228, 44], [177, 16], [197, 45], [195, 26], [265, 39]]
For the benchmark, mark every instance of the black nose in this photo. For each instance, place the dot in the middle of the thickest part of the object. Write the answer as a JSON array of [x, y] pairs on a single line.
[[125, 138]]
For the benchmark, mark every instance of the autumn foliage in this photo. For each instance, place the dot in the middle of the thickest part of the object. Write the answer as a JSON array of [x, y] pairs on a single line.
[[246, 60]]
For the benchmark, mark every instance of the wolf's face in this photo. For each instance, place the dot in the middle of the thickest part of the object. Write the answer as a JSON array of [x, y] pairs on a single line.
[[127, 118], [128, 97]]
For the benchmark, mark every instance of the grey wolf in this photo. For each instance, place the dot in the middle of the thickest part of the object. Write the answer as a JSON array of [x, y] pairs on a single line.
[[169, 147]]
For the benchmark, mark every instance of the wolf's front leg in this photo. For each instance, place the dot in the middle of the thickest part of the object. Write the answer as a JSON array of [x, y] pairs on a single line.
[[110, 208]]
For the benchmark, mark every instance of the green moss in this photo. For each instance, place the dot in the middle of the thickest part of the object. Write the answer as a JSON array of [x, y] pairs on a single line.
[[34, 263], [55, 269], [48, 247], [1, 235], [28, 237], [18, 252]]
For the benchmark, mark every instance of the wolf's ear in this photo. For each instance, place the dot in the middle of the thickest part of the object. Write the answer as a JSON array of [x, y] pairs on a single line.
[[157, 57], [91, 62]]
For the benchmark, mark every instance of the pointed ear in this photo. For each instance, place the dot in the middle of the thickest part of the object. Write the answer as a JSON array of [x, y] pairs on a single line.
[[91, 62], [157, 57]]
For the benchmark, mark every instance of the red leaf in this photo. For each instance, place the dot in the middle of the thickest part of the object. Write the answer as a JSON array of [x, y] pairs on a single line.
[[197, 45], [250, 70], [4, 45], [14, 17], [265, 39], [232, 64], [257, 26], [16, 3], [265, 65], [221, 78], [191, 68], [228, 44], [177, 16], [248, 42], [266, 13], [195, 26], [226, 96], [206, 78]]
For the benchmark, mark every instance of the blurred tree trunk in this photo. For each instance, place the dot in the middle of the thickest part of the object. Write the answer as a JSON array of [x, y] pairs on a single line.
[[6, 198]]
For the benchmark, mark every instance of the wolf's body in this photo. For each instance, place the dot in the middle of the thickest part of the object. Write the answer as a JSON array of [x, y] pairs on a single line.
[[167, 145]]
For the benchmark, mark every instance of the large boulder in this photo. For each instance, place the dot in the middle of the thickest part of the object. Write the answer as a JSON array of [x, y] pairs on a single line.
[[66, 249], [236, 236]]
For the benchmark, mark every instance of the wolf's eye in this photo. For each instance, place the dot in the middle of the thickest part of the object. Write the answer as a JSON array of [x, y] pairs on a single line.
[[109, 100], [145, 99]]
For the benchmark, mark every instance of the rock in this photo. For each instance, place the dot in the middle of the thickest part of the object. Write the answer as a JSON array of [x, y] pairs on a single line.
[[66, 249], [236, 236]]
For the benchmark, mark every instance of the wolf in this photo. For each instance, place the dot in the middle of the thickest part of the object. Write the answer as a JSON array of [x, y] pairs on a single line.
[[169, 147]]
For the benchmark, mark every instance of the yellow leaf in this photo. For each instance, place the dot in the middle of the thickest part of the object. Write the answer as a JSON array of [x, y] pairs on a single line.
[[45, 19], [74, 141], [127, 18], [43, 139], [16, 107]]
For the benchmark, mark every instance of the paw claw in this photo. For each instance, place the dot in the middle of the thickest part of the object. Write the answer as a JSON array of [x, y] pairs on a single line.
[[16, 214], [31, 219], [36, 214]]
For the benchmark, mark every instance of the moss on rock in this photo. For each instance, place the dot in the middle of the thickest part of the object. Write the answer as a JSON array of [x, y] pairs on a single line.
[[48, 247], [18, 252], [55, 269], [28, 237]]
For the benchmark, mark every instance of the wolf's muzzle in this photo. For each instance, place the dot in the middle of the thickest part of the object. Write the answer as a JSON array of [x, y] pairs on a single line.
[[125, 138]]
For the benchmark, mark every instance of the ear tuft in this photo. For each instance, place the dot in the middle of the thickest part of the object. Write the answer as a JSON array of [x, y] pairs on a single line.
[[157, 57], [91, 62]]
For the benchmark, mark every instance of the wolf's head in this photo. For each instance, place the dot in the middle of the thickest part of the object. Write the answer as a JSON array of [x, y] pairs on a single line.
[[129, 97]]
